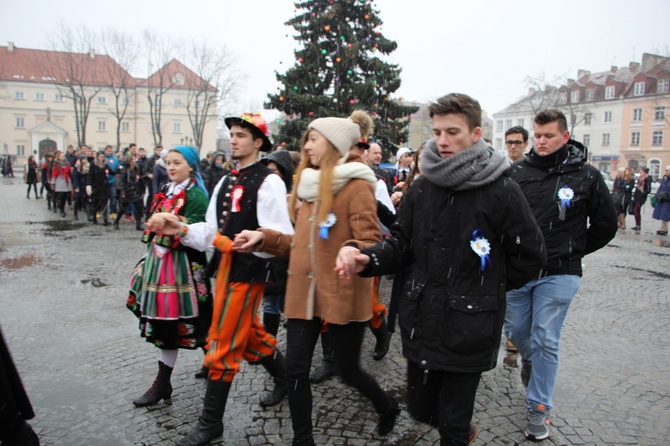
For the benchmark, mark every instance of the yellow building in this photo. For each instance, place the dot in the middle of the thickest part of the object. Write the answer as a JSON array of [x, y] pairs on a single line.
[[37, 113]]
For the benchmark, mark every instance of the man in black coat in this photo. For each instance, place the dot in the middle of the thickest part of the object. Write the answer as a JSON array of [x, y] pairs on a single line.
[[575, 212], [467, 236]]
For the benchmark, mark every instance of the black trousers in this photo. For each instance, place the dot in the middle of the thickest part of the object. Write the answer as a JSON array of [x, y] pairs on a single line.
[[139, 210], [445, 400], [34, 186], [301, 337], [15, 406]]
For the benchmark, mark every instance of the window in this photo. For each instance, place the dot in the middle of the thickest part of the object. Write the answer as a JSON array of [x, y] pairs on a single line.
[[657, 138], [520, 122], [58, 97], [587, 118], [101, 99], [638, 89], [589, 94], [125, 126], [21, 150], [499, 143], [508, 124], [606, 139], [608, 116], [124, 101], [176, 127], [19, 95], [637, 114], [39, 96], [586, 140], [102, 126], [659, 113], [499, 125], [20, 122], [635, 138], [663, 86], [655, 168], [609, 92], [562, 98], [574, 96], [177, 102]]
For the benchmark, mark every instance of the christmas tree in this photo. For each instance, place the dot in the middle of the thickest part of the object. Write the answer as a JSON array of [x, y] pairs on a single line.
[[338, 69]]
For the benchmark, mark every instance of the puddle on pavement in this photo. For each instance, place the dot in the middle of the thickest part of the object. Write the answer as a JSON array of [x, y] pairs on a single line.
[[53, 227], [20, 262]]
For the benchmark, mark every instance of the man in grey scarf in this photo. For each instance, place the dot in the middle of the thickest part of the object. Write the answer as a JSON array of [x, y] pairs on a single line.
[[466, 234]]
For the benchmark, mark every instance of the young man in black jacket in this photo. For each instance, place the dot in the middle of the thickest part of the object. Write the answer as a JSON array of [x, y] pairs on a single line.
[[575, 212], [467, 236]]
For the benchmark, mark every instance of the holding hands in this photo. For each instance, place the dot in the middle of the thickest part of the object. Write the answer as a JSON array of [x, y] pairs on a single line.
[[247, 241], [164, 223], [350, 261]]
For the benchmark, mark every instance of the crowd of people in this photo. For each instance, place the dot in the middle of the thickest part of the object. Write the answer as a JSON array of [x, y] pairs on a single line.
[[479, 243]]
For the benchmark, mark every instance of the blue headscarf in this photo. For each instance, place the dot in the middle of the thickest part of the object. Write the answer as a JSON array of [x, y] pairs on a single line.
[[192, 157]]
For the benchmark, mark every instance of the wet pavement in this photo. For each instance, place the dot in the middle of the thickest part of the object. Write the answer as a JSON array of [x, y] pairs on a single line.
[[62, 309]]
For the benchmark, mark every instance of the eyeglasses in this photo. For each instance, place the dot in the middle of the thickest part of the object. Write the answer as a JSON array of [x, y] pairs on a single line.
[[514, 143]]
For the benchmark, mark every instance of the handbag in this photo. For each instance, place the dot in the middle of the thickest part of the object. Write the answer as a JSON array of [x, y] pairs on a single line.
[[631, 208], [662, 197], [652, 200]]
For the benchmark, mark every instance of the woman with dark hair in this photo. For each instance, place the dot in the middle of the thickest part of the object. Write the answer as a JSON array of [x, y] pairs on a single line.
[[31, 176], [80, 181], [215, 171], [61, 183], [338, 208], [97, 188], [131, 186], [44, 173], [169, 292]]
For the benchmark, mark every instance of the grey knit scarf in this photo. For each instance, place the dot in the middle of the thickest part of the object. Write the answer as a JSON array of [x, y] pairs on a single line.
[[469, 169]]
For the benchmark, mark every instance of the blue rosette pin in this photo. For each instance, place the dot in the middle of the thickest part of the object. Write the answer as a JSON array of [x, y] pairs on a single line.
[[565, 194], [481, 247], [324, 226]]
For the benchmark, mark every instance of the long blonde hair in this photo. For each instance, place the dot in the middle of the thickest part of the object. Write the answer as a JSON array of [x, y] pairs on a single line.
[[327, 168]]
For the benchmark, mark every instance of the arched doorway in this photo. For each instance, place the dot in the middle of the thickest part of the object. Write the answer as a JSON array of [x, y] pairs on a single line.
[[47, 146]]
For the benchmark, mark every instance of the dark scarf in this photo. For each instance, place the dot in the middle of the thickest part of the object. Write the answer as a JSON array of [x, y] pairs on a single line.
[[549, 161]]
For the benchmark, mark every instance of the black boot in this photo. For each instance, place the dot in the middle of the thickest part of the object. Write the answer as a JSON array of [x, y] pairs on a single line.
[[383, 340], [309, 442], [276, 366], [328, 368], [271, 323], [159, 390], [138, 225], [202, 373], [210, 423], [116, 222], [387, 419]]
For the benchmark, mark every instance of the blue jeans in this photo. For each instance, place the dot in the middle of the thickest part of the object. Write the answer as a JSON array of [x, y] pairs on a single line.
[[533, 322], [273, 303], [111, 187]]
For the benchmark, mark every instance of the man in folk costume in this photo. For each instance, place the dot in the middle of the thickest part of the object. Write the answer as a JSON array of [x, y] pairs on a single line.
[[251, 196]]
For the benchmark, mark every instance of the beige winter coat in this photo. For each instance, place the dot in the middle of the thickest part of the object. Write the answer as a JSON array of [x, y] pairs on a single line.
[[314, 289]]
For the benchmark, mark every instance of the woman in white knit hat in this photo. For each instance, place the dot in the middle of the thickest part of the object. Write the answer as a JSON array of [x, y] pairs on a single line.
[[338, 208]]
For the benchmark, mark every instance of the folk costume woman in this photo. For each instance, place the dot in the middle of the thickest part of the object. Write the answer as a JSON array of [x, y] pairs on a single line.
[[338, 208], [169, 291]]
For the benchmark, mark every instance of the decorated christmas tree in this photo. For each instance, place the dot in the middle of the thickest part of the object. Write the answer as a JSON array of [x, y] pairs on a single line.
[[338, 68]]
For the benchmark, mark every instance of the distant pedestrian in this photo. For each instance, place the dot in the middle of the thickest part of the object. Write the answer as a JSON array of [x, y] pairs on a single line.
[[215, 171], [159, 173], [98, 188], [30, 175], [61, 181], [662, 209], [623, 194], [131, 187], [642, 190]]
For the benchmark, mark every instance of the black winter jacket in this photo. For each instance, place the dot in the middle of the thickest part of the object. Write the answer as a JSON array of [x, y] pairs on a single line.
[[97, 179], [131, 184], [590, 220], [452, 311]]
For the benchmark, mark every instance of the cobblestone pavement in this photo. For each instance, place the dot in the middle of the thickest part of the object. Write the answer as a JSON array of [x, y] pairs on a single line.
[[62, 296]]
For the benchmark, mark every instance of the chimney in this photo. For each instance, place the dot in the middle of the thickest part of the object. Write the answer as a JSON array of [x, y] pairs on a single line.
[[581, 73], [633, 65], [91, 54], [10, 47], [649, 61], [614, 69]]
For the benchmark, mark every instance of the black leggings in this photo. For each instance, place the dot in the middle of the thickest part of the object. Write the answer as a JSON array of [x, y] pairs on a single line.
[[34, 186], [61, 198], [301, 337]]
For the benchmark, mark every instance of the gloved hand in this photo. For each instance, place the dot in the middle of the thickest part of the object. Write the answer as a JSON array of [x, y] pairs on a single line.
[[89, 190]]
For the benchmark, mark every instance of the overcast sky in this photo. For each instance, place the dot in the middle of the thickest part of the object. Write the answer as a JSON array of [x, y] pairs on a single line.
[[483, 48]]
